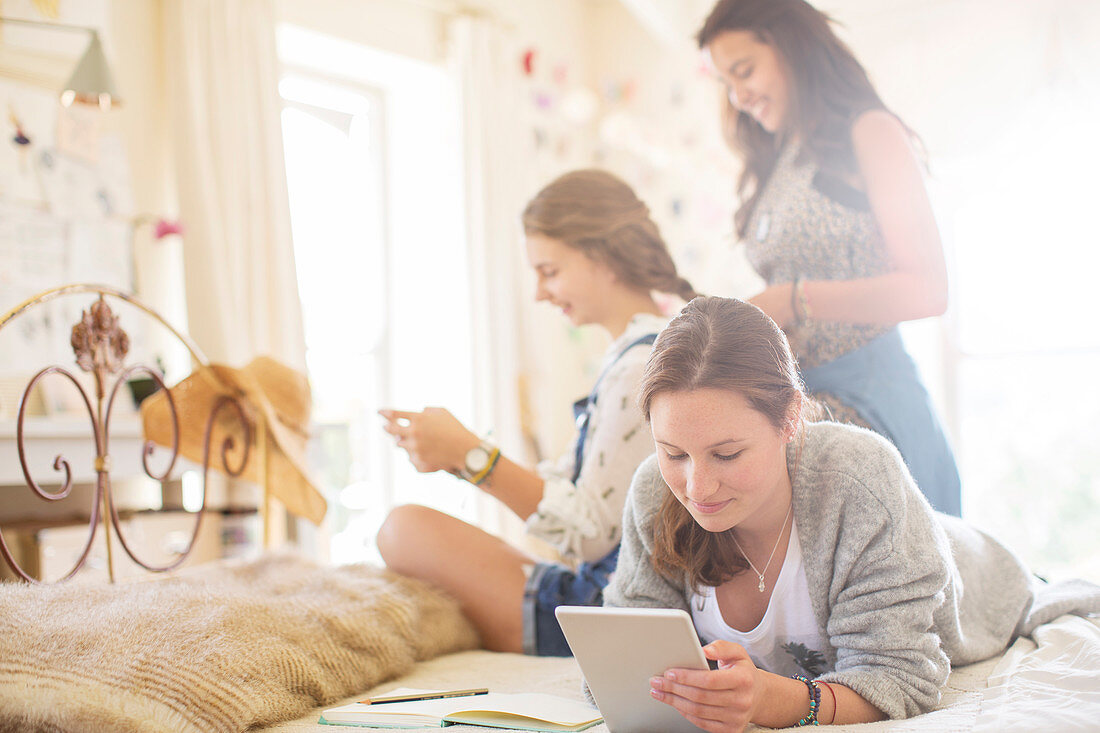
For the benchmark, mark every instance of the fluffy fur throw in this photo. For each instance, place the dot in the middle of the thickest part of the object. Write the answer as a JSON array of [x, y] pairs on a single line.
[[224, 648]]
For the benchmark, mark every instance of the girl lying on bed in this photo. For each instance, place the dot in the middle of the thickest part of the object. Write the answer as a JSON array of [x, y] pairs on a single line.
[[817, 575], [597, 256]]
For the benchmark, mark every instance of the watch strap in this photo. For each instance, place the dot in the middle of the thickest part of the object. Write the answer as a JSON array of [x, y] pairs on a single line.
[[480, 476]]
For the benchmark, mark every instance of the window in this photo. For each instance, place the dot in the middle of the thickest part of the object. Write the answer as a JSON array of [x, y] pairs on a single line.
[[1025, 337], [374, 177]]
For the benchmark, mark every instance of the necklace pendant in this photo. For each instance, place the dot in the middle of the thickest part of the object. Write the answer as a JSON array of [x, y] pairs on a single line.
[[760, 587]]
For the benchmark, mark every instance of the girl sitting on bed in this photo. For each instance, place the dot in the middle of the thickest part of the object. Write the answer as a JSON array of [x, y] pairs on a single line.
[[816, 573], [598, 256]]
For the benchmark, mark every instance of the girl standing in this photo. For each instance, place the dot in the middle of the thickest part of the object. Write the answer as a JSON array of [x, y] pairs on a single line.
[[836, 219]]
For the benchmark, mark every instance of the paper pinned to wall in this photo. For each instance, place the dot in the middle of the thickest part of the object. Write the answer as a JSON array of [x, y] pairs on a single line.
[[66, 202], [66, 211], [33, 244], [115, 192], [70, 185], [99, 252], [79, 128], [35, 111]]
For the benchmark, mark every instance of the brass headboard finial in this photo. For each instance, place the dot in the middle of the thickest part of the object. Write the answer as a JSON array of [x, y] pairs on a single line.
[[99, 343]]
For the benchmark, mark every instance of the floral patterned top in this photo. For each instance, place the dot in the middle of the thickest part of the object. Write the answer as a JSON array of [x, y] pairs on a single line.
[[811, 225], [584, 520]]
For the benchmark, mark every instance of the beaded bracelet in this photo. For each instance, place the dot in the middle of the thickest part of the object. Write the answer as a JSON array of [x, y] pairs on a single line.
[[815, 700]]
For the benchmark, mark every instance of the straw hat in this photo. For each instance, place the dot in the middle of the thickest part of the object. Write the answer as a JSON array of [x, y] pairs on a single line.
[[266, 390]]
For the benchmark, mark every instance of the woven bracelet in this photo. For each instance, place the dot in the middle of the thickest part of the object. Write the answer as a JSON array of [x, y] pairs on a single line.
[[832, 695], [477, 479], [815, 700]]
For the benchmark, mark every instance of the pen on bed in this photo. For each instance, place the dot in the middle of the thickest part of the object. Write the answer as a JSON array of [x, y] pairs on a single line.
[[425, 696]]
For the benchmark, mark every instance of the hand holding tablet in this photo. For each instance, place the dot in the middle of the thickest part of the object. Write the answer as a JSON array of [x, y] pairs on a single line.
[[620, 649]]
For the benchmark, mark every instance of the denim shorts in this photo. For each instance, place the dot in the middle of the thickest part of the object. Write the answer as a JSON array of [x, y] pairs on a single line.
[[551, 585]]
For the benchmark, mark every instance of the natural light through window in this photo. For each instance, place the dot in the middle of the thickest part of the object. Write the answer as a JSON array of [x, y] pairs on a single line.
[[374, 176], [1025, 260]]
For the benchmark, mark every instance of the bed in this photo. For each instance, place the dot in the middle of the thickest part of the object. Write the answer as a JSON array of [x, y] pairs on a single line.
[[267, 643], [1049, 683], [256, 647]]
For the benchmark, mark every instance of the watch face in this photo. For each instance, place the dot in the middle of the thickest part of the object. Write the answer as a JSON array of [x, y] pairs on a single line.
[[477, 459]]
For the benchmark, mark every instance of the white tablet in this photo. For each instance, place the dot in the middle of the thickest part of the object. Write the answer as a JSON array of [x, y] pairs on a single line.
[[620, 649]]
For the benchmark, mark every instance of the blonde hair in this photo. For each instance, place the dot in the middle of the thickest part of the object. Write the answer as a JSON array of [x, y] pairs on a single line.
[[727, 344], [597, 213]]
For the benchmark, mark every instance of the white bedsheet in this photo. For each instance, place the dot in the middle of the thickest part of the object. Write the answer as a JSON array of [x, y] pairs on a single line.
[[1050, 682]]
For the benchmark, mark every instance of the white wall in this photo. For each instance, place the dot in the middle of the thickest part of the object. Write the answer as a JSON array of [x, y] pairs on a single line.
[[134, 49]]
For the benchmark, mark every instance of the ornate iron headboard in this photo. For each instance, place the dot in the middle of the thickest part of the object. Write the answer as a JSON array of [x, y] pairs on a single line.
[[100, 347]]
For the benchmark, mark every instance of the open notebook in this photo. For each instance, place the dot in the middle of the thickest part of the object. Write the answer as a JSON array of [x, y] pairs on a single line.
[[525, 711]]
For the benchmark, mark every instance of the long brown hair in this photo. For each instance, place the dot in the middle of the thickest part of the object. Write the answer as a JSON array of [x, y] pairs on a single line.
[[727, 344], [830, 90], [597, 213]]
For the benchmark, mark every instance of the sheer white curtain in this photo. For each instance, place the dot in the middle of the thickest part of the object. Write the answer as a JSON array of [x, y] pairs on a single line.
[[222, 72], [495, 133]]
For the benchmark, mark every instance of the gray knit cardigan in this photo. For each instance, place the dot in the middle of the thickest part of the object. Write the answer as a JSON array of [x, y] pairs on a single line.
[[900, 592]]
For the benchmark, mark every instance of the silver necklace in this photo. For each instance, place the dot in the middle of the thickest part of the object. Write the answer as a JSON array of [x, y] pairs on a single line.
[[759, 574]]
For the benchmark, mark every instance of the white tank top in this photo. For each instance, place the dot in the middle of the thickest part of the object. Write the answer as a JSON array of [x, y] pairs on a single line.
[[787, 640]]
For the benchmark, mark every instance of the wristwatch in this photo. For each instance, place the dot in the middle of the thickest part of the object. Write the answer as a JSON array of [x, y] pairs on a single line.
[[480, 461]]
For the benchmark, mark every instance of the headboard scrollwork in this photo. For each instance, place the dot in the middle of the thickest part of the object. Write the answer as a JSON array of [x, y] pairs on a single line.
[[100, 347]]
